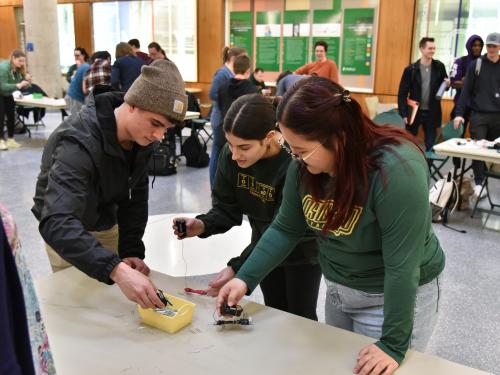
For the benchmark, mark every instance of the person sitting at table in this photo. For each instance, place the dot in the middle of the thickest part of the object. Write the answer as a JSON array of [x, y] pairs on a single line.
[[12, 78], [249, 181], [257, 78], [350, 184], [126, 68], [323, 66], [92, 191]]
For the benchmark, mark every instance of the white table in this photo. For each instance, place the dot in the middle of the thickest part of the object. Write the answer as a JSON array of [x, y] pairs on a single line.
[[93, 329], [164, 252], [191, 115], [461, 148], [193, 90], [45, 102]]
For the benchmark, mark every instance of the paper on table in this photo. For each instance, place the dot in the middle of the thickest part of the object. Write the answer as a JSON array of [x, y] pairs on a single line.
[[414, 108]]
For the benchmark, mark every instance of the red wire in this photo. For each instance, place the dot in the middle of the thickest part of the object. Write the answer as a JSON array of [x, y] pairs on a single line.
[[195, 291]]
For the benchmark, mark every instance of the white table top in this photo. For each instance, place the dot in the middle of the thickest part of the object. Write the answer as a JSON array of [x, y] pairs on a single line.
[[44, 102], [192, 115], [94, 329], [193, 90], [470, 150], [203, 255]]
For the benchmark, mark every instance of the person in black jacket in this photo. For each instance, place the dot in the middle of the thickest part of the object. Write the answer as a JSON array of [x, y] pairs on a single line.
[[420, 82], [228, 92], [93, 180]]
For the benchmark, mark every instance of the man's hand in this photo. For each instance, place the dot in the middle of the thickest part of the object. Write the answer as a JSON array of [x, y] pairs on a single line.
[[448, 82], [231, 293], [457, 121], [222, 278], [136, 287], [374, 361], [137, 264], [194, 227]]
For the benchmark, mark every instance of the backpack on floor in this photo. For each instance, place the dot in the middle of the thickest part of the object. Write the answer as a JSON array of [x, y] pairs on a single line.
[[195, 152], [443, 197], [160, 163]]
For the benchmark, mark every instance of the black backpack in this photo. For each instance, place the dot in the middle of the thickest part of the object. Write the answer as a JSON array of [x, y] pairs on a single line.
[[195, 152], [160, 164]]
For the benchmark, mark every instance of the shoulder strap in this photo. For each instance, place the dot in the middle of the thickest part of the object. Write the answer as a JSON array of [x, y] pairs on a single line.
[[479, 61]]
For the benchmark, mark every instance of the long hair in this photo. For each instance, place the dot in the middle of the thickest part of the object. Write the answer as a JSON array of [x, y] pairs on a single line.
[[229, 52], [321, 110], [17, 53]]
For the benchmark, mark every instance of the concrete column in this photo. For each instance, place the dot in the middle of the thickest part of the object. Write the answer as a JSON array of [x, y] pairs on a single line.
[[40, 19]]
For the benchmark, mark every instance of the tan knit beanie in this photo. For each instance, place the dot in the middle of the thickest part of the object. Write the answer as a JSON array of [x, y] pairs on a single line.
[[159, 89]]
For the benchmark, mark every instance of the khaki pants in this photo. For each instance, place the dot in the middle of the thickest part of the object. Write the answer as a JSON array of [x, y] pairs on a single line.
[[107, 238]]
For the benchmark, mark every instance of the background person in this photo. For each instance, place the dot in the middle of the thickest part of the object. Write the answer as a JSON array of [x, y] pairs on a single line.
[[251, 163], [221, 75], [323, 66], [127, 67], [99, 72], [350, 184], [12, 78], [81, 56], [136, 47]]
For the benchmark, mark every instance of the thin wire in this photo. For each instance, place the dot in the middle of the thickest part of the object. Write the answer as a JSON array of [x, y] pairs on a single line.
[[185, 264]]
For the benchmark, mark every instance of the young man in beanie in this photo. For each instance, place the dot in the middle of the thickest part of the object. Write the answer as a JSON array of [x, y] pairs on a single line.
[[92, 191]]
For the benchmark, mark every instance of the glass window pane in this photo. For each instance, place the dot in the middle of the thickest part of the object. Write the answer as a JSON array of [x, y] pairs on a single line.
[[66, 26], [116, 22], [175, 30]]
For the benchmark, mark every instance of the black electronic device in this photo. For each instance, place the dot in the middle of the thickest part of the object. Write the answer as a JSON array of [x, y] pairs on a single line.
[[180, 225]]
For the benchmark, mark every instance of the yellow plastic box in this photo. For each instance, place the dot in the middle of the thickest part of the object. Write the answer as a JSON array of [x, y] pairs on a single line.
[[170, 324]]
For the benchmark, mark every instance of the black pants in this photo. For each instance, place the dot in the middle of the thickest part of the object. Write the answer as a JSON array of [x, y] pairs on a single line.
[[483, 125], [293, 289], [7, 108], [423, 118]]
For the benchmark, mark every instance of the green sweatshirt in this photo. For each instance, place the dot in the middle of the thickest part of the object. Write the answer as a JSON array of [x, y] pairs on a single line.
[[387, 246], [8, 78], [256, 192]]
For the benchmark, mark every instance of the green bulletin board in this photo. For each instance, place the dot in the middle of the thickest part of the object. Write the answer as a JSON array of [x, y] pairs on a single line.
[[296, 31], [326, 27], [241, 30], [267, 34], [357, 41]]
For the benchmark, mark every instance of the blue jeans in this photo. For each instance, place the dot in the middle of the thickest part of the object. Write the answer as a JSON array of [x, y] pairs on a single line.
[[363, 313], [215, 121]]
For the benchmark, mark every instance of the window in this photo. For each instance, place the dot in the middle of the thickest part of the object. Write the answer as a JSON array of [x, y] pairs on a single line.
[[175, 30], [66, 35], [170, 23], [116, 22], [451, 25]]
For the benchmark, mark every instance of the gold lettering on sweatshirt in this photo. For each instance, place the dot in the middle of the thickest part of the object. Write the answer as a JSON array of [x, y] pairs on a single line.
[[258, 189], [315, 212]]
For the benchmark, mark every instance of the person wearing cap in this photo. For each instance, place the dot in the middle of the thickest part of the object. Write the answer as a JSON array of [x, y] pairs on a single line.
[[481, 91], [91, 195]]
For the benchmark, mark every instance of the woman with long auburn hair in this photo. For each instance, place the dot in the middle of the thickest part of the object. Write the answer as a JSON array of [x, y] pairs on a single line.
[[363, 189]]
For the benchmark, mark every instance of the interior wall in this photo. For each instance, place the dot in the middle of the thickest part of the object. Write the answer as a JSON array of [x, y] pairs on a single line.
[[8, 29]]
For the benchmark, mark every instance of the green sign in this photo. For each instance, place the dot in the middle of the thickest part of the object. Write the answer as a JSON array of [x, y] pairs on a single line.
[[267, 32], [357, 41], [296, 31], [241, 31]]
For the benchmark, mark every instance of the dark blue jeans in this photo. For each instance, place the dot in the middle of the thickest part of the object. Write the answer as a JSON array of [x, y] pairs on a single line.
[[423, 119]]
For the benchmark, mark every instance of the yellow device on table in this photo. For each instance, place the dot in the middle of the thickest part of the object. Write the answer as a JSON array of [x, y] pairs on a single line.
[[171, 324]]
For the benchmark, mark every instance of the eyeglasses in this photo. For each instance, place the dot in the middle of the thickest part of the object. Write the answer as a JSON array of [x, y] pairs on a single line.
[[301, 160]]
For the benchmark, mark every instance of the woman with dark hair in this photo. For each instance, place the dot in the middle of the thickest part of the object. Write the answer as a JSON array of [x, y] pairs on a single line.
[[222, 74], [81, 56], [249, 181], [12, 77], [363, 189]]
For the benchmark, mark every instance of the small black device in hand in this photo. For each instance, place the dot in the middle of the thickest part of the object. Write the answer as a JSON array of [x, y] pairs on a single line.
[[162, 298], [225, 309], [180, 225]]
